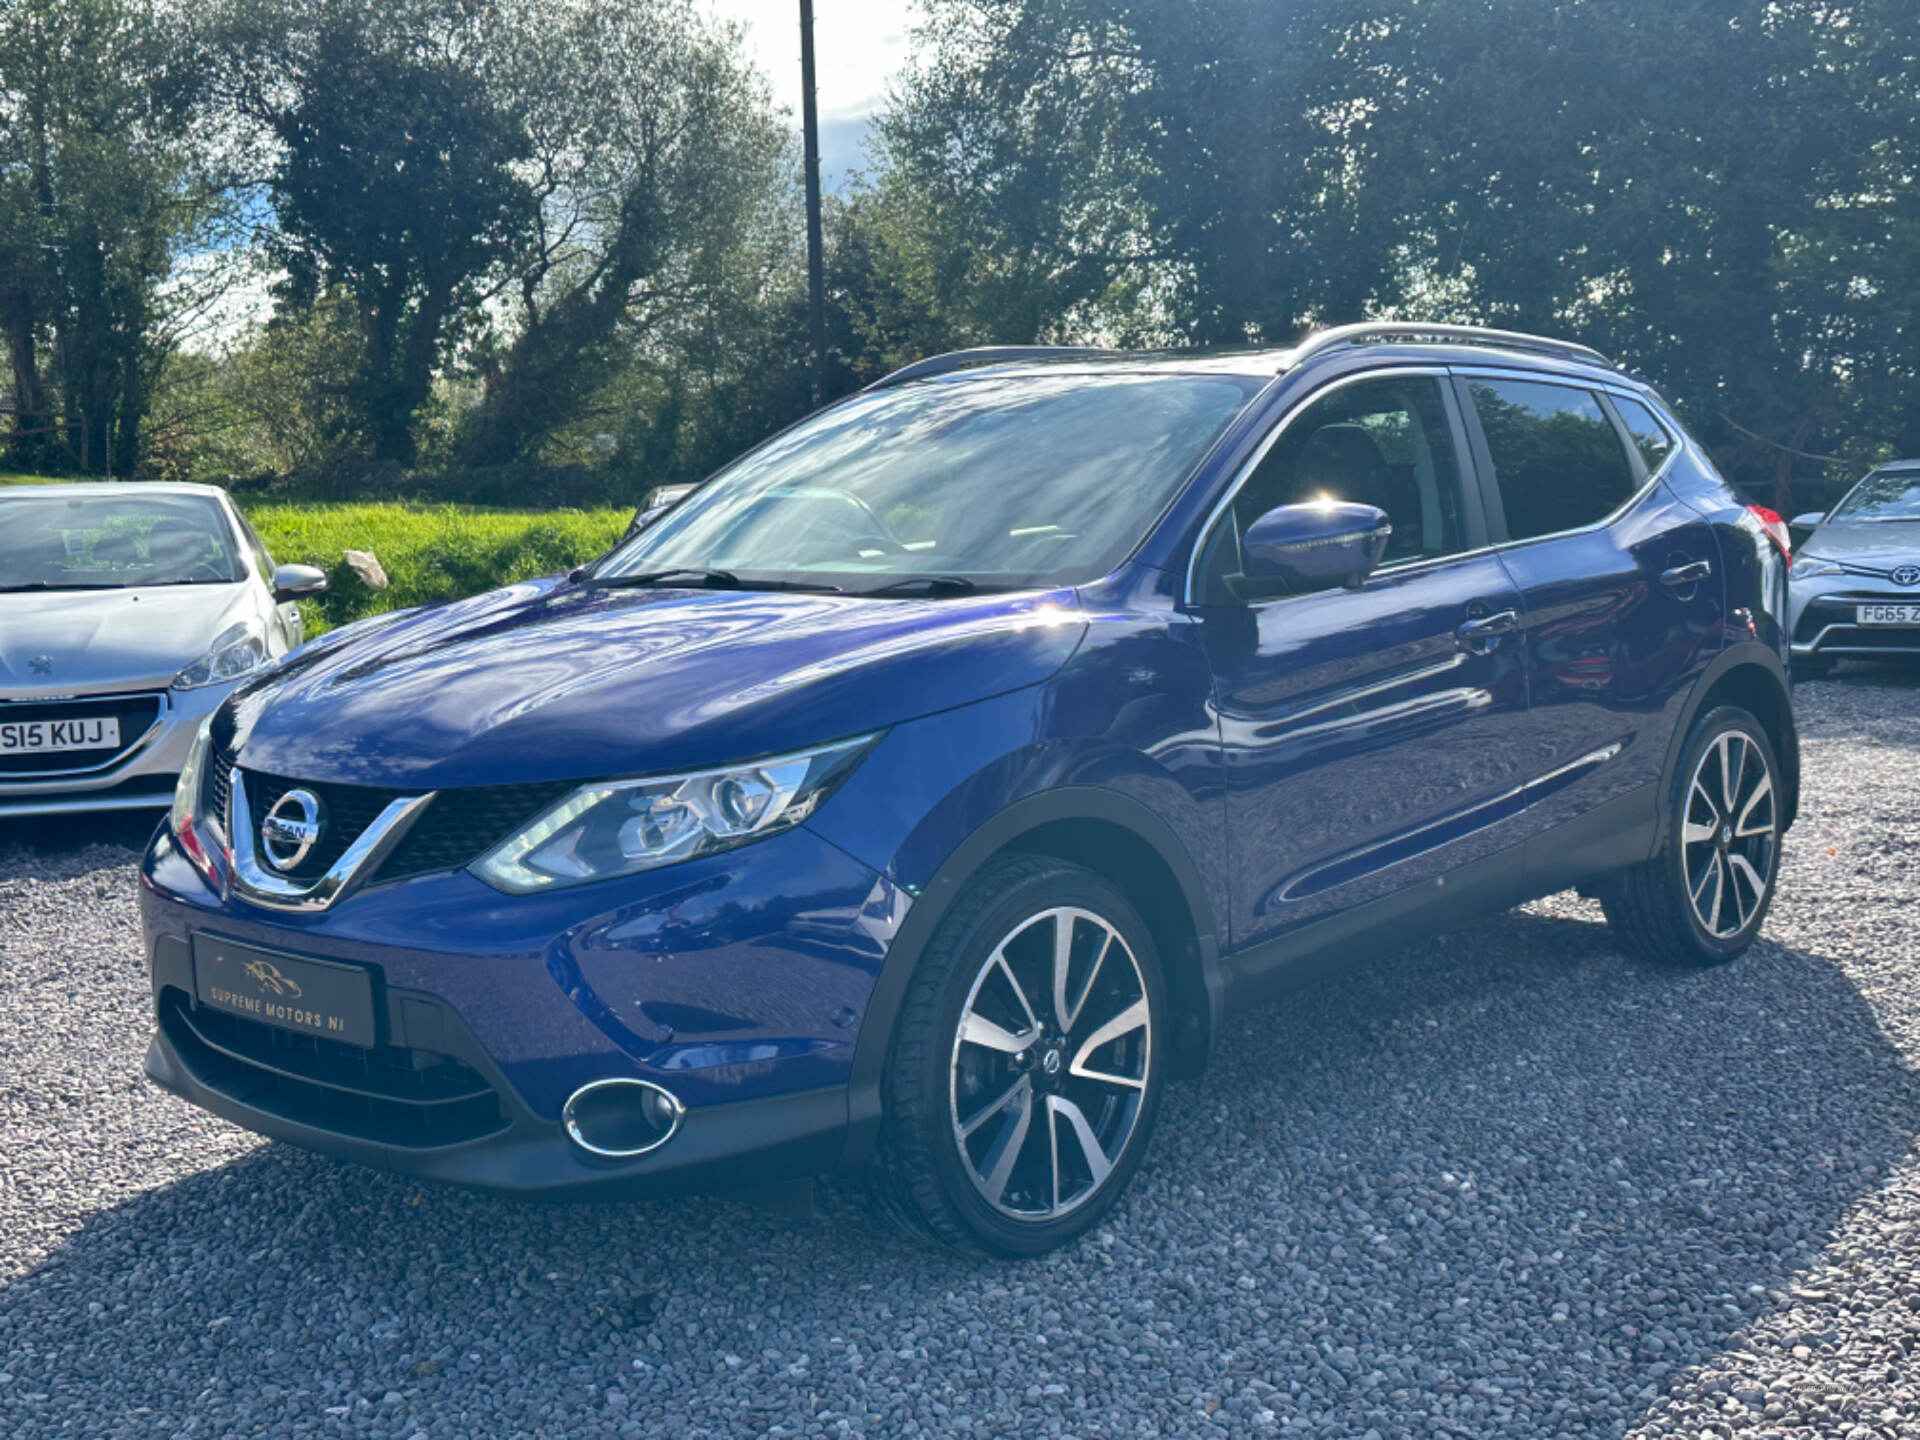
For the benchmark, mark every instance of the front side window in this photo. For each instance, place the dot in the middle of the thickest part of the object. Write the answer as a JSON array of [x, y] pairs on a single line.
[[114, 542], [262, 557], [1883, 495], [1385, 443], [993, 481], [1654, 441], [1556, 457]]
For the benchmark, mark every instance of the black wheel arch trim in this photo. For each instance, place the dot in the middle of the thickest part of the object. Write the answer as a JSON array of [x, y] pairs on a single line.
[[936, 897], [1748, 654]]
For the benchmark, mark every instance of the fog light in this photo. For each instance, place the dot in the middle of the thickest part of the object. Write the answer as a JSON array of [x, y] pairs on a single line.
[[621, 1118]]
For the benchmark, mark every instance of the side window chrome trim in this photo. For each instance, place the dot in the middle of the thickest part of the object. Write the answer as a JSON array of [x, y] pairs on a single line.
[[1252, 463], [1619, 512]]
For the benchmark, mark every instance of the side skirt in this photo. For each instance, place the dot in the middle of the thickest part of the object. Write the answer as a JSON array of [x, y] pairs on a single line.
[[1609, 837]]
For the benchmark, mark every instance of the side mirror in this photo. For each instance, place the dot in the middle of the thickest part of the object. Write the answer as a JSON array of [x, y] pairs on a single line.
[[1807, 521], [665, 495], [291, 582], [660, 499], [1314, 546], [642, 519]]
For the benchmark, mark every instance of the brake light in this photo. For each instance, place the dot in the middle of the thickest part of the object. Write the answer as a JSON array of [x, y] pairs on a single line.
[[1775, 527]]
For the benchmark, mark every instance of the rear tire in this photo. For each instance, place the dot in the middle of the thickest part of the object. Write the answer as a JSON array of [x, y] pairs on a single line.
[[1027, 1064], [1703, 899]]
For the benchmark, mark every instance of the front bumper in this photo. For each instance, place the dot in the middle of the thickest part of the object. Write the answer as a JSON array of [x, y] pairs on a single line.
[[1825, 619], [516, 1152], [141, 777], [483, 1036]]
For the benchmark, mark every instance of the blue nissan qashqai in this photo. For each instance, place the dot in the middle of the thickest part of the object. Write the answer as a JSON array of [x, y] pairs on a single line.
[[918, 791]]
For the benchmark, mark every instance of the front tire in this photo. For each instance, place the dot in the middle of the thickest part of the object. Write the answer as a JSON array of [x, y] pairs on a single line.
[[1028, 1062], [1703, 899]]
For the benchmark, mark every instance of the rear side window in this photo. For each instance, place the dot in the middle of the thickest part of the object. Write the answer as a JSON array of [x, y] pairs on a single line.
[[1654, 441], [1557, 459]]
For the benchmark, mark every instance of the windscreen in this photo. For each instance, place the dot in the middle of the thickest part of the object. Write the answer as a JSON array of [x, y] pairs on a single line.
[[1001, 481], [113, 542], [1883, 495]]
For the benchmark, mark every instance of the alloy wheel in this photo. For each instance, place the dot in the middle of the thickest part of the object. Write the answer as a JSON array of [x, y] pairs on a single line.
[[1050, 1064], [1728, 841]]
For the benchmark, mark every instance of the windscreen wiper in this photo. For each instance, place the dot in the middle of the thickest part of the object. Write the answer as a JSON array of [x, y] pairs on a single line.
[[931, 585], [697, 579], [49, 585]]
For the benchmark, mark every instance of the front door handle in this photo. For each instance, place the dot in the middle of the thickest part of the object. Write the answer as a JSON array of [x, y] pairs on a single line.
[[1482, 634], [1681, 576]]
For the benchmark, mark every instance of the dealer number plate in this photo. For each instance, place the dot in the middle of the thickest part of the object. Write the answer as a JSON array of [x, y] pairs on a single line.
[[314, 997], [1888, 615]]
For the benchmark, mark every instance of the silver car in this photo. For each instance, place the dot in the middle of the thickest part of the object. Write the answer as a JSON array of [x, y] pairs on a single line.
[[127, 613], [1855, 584]]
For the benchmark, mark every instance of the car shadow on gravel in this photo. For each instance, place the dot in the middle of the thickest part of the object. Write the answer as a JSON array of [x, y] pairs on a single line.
[[1499, 1183]]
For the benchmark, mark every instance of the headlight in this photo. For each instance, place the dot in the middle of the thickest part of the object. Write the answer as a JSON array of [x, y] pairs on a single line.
[[1809, 566], [238, 650], [185, 819], [621, 827]]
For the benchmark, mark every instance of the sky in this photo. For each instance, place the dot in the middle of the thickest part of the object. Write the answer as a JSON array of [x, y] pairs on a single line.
[[858, 45]]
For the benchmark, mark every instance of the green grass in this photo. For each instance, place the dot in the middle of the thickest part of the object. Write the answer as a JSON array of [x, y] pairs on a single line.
[[430, 552]]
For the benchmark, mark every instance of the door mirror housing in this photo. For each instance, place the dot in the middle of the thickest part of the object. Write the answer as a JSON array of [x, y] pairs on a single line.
[[1808, 520], [293, 582], [1297, 548], [660, 499]]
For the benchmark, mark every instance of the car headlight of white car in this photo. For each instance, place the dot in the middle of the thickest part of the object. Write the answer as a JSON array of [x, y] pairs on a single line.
[[237, 651], [621, 827], [1808, 567]]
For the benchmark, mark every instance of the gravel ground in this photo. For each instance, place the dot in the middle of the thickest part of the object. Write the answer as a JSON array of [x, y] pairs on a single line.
[[1502, 1184]]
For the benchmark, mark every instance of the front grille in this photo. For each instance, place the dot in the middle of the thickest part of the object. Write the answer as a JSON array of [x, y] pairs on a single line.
[[389, 1094], [217, 784], [137, 715], [462, 825], [1830, 619], [349, 809]]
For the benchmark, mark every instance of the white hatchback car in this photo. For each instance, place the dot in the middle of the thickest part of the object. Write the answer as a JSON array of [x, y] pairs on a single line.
[[1855, 585], [128, 612]]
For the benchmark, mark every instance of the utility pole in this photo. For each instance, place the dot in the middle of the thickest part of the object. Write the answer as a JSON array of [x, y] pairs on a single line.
[[816, 264]]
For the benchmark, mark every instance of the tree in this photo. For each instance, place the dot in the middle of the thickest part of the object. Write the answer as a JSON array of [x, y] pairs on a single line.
[[659, 179], [98, 189], [394, 171], [1720, 191]]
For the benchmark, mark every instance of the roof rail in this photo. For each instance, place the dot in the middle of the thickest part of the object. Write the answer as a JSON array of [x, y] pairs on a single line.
[[987, 355], [1419, 331]]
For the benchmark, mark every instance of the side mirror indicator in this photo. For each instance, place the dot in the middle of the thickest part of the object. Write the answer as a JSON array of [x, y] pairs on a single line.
[[1314, 546]]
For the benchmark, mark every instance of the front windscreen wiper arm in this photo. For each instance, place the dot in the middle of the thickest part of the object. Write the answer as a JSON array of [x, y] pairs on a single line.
[[49, 585], [696, 579], [705, 579], [931, 585]]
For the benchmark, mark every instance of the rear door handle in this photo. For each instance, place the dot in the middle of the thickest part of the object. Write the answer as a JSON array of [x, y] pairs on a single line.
[[1681, 576], [1478, 633]]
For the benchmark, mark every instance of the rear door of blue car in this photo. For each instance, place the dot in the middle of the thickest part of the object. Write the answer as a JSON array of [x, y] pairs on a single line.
[[1623, 604]]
